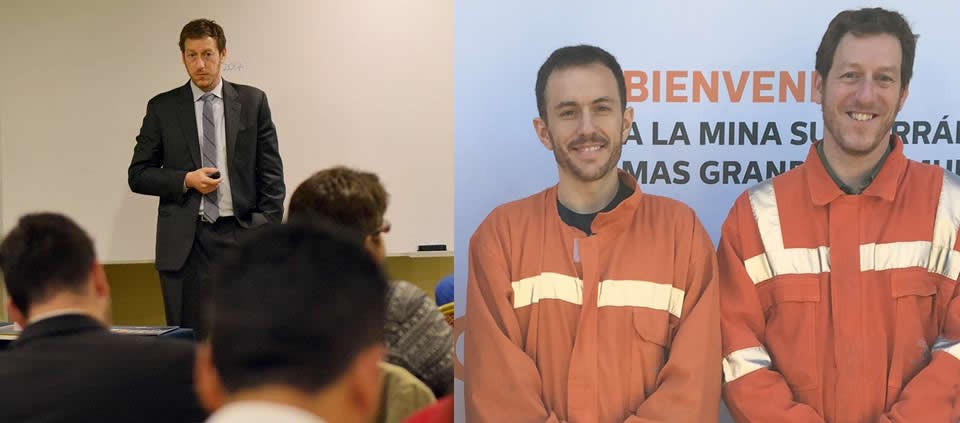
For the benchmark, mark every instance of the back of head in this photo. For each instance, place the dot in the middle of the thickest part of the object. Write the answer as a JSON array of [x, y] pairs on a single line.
[[579, 55], [352, 198], [294, 306], [45, 254], [863, 22]]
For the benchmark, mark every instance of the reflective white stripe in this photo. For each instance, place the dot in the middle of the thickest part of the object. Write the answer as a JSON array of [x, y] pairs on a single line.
[[894, 255], [790, 261], [743, 362], [547, 286], [758, 268], [943, 257], [937, 256], [949, 347], [777, 260], [763, 201], [611, 293], [902, 255], [657, 296]]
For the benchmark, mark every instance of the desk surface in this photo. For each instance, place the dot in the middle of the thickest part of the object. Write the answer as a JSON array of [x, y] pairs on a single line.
[[10, 332]]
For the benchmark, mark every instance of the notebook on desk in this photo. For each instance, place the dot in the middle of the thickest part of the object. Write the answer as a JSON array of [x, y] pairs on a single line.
[[10, 331], [143, 330]]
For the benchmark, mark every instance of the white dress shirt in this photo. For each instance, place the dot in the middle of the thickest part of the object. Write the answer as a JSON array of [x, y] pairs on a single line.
[[262, 411], [225, 199]]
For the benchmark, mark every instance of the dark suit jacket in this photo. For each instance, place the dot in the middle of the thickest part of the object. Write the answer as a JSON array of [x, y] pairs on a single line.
[[72, 369], [168, 147]]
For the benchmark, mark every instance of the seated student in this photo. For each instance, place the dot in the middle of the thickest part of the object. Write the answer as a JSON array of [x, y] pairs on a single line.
[[296, 330], [443, 292], [418, 338], [403, 394], [66, 365]]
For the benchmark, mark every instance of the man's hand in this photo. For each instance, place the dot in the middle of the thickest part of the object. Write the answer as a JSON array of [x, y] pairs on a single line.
[[200, 180]]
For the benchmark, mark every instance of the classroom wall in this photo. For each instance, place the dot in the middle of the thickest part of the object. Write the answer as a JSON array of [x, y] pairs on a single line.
[[137, 299], [362, 83]]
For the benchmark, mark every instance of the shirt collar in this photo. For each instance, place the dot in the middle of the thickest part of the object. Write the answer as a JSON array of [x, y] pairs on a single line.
[[615, 220], [255, 411], [824, 187], [197, 92], [56, 313], [848, 189]]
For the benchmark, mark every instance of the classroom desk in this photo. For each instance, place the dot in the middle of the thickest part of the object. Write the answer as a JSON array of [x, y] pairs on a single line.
[[9, 334]]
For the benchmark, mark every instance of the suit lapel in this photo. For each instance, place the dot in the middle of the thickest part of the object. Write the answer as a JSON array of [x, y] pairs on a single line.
[[187, 114], [231, 115]]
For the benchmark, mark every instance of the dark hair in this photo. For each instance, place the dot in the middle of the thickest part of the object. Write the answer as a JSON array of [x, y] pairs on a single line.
[[579, 55], [348, 197], [870, 21], [45, 253], [200, 28], [293, 305]]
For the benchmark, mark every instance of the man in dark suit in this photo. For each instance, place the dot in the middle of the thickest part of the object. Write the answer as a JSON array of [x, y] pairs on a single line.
[[66, 365], [209, 150]]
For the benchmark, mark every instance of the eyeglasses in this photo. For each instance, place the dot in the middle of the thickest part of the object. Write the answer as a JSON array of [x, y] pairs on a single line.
[[384, 228]]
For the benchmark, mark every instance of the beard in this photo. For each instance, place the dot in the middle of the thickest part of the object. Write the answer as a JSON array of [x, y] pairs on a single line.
[[853, 143], [848, 143], [587, 172]]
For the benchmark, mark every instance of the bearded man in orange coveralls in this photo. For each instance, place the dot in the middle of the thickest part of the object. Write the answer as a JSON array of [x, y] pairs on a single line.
[[838, 279], [591, 301]]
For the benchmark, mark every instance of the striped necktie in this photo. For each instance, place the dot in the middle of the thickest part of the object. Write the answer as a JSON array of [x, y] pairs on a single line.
[[208, 151]]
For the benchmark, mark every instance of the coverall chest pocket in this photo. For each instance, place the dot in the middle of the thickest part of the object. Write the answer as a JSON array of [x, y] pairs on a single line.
[[791, 304], [648, 347], [914, 293]]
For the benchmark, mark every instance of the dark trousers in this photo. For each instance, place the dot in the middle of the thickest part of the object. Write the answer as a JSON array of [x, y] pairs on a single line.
[[185, 291]]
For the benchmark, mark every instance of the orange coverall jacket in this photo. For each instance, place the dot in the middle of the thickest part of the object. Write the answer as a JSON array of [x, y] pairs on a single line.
[[619, 326], [843, 308]]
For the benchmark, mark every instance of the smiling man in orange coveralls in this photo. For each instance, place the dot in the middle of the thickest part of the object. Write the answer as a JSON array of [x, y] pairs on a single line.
[[590, 301], [839, 278]]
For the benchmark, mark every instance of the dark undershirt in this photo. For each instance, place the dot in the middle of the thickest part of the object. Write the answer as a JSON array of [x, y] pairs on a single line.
[[583, 221], [854, 190]]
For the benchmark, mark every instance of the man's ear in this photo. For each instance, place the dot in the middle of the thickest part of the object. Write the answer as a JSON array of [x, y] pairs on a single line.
[[817, 94], [101, 287], [365, 382], [540, 127], [206, 380], [627, 124], [903, 97], [18, 317]]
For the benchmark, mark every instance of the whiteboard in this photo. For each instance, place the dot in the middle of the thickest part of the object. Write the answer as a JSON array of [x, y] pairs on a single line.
[[364, 83]]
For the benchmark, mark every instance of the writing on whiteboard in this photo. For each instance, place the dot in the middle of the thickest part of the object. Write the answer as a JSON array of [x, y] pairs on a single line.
[[233, 66]]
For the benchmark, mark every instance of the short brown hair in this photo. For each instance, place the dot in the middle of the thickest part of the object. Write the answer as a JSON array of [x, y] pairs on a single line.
[[303, 351], [579, 55], [349, 197], [45, 254], [868, 21], [200, 28]]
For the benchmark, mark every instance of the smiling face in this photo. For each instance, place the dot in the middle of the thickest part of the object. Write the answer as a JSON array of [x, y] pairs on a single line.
[[862, 93], [584, 125]]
